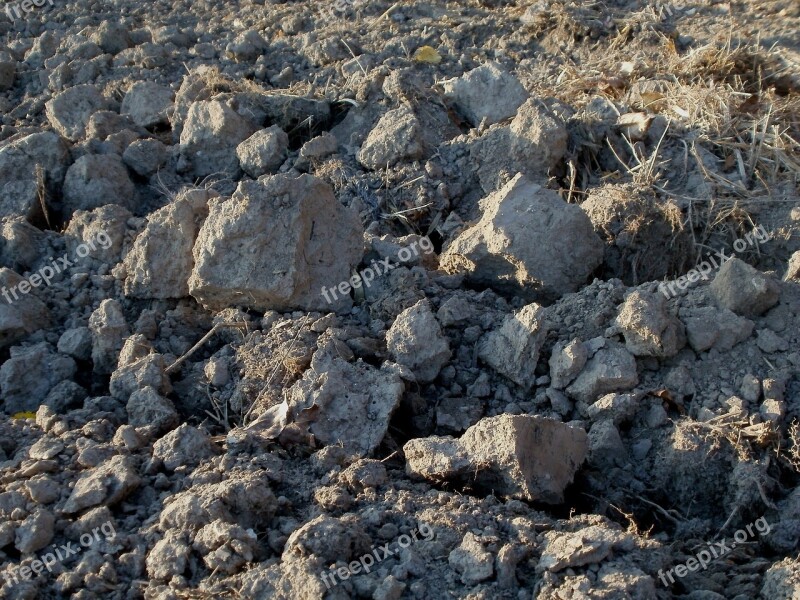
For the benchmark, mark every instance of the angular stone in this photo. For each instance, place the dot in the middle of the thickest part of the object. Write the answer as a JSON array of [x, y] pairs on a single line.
[[395, 137], [185, 445], [106, 484], [146, 407], [648, 328], [275, 245], [160, 261], [147, 103], [28, 376], [708, 327], [20, 316], [529, 242], [109, 329], [743, 289], [611, 369], [263, 152], [487, 92], [513, 350], [95, 180], [520, 456], [471, 560], [566, 361], [70, 110], [415, 340]]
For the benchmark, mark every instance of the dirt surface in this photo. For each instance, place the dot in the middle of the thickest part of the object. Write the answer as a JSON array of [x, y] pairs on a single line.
[[485, 299]]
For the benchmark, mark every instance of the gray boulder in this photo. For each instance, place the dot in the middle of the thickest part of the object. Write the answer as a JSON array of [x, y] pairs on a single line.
[[488, 92], [147, 103], [28, 376], [415, 340], [263, 152], [95, 180], [397, 136], [70, 110], [743, 289]]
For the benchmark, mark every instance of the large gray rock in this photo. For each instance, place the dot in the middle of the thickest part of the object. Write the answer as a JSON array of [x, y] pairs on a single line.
[[415, 340], [611, 369], [106, 484], [743, 289], [274, 245], [95, 180], [649, 329], [528, 241], [70, 110], [28, 376], [147, 103], [708, 327], [513, 350], [210, 135], [30, 166], [21, 244], [520, 456], [147, 408], [488, 92], [145, 157], [102, 233], [160, 262], [109, 330], [534, 142], [397, 136]]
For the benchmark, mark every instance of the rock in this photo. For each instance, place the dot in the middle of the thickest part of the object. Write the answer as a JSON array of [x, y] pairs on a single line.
[[70, 110], [331, 391], [146, 371], [396, 137], [95, 180], [147, 103], [743, 289], [618, 408], [65, 396], [471, 561], [606, 449], [101, 232], [225, 547], [793, 268], [210, 135], [169, 557], [160, 261], [648, 328], [769, 341], [772, 410], [185, 445], [611, 369], [315, 149], [566, 361], [782, 580], [521, 456], [112, 37], [35, 532], [263, 152], [528, 241], [20, 244], [513, 350], [106, 484], [329, 539], [109, 329], [457, 414], [145, 157], [707, 327], [147, 408], [415, 340], [589, 545], [28, 376], [242, 258], [28, 167], [21, 315], [532, 144], [487, 92], [364, 473], [8, 71], [247, 46]]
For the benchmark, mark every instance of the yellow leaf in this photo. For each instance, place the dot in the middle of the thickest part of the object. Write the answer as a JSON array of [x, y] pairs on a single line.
[[24, 415], [428, 55]]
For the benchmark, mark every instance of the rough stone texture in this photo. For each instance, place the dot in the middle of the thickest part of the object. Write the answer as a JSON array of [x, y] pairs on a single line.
[[146, 407], [76, 342], [590, 545], [533, 143], [611, 369], [185, 445], [28, 166], [8, 71], [708, 327], [147, 102], [101, 230], [169, 557], [649, 329], [35, 532], [273, 246], [160, 261], [210, 135], [528, 241], [109, 329], [395, 137], [20, 244], [332, 391], [106, 484], [566, 361], [513, 349], [415, 340], [145, 371], [28, 376], [743, 289], [19, 317], [782, 580], [471, 561], [487, 92], [793, 268], [145, 157], [95, 180], [521, 456], [70, 110], [263, 152]]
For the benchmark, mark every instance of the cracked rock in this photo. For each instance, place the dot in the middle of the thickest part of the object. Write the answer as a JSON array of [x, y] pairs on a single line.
[[415, 340]]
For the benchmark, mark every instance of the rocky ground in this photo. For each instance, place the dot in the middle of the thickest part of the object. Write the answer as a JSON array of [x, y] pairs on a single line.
[[385, 300]]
